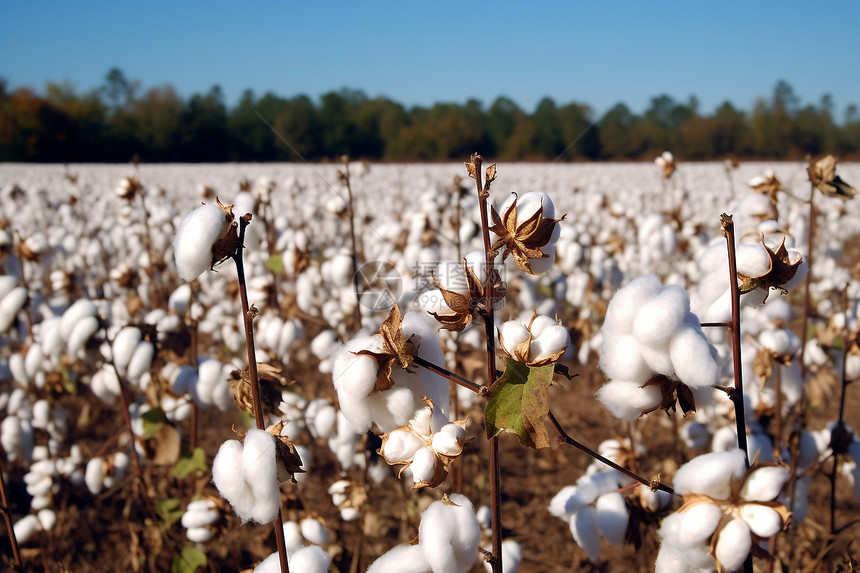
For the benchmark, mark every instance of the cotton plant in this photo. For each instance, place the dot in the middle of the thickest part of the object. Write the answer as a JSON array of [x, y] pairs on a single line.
[[654, 351], [727, 508]]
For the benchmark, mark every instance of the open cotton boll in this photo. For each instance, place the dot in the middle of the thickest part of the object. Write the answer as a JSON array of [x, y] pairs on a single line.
[[105, 384], [196, 235], [765, 483], [513, 333], [141, 361], [710, 474], [124, 345], [314, 531], [780, 341], [402, 559], [94, 475], [26, 527], [733, 544], [449, 534], [549, 342]]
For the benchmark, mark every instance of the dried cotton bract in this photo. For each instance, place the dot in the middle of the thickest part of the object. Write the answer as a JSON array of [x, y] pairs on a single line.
[[822, 174], [527, 231]]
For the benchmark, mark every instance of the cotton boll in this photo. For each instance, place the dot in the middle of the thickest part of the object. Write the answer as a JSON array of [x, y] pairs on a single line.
[[710, 474], [733, 544], [314, 531], [47, 519], [105, 384], [321, 417], [81, 333], [449, 535], [26, 527], [513, 333], [423, 465], [552, 340], [94, 475], [194, 239], [753, 260], [311, 559], [402, 559], [34, 360], [124, 345], [141, 361]]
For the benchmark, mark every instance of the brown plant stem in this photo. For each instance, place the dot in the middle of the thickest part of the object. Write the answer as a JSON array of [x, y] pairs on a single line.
[[193, 359], [351, 215], [479, 389], [564, 438], [489, 329], [737, 396], [248, 319], [7, 516], [807, 300]]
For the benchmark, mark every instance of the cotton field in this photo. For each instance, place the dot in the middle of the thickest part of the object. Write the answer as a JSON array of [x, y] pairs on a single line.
[[369, 427]]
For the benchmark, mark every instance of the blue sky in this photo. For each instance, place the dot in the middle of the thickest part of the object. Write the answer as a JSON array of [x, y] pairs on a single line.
[[597, 53]]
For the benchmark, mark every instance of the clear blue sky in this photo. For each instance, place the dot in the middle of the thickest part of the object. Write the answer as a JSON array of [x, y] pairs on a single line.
[[598, 53]]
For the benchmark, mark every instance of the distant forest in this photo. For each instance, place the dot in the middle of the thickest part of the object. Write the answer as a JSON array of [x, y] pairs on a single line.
[[120, 120]]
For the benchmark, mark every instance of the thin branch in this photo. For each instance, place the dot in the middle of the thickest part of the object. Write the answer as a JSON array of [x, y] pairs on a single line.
[[7, 516], [248, 318], [479, 389], [737, 396], [564, 438]]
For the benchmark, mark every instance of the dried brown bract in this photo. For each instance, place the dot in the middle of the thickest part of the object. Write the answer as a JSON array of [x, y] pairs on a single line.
[[767, 184], [272, 381], [464, 307], [289, 460], [784, 265], [396, 348], [822, 174], [523, 240]]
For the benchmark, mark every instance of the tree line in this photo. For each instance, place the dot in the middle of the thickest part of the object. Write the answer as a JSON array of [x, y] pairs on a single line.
[[120, 120]]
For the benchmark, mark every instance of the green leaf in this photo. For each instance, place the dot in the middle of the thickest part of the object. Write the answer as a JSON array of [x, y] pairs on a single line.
[[169, 511], [152, 421], [517, 403], [275, 264], [188, 463], [188, 562]]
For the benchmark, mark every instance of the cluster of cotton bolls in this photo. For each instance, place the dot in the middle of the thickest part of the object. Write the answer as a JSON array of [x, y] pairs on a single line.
[[246, 475], [714, 509], [354, 376], [106, 473], [199, 520], [649, 330]]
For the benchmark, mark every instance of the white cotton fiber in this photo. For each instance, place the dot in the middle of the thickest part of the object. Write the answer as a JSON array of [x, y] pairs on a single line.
[[449, 535], [94, 475], [626, 400], [628, 301], [195, 237], [765, 483], [733, 544], [401, 446], [124, 345], [658, 318], [260, 471], [552, 340], [693, 357], [401, 559], [141, 361], [710, 474], [423, 465], [314, 531], [657, 358], [513, 333], [621, 359], [10, 305], [753, 259], [81, 333], [26, 527], [762, 520], [75, 313], [698, 524], [310, 559], [583, 526], [612, 517], [230, 480]]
